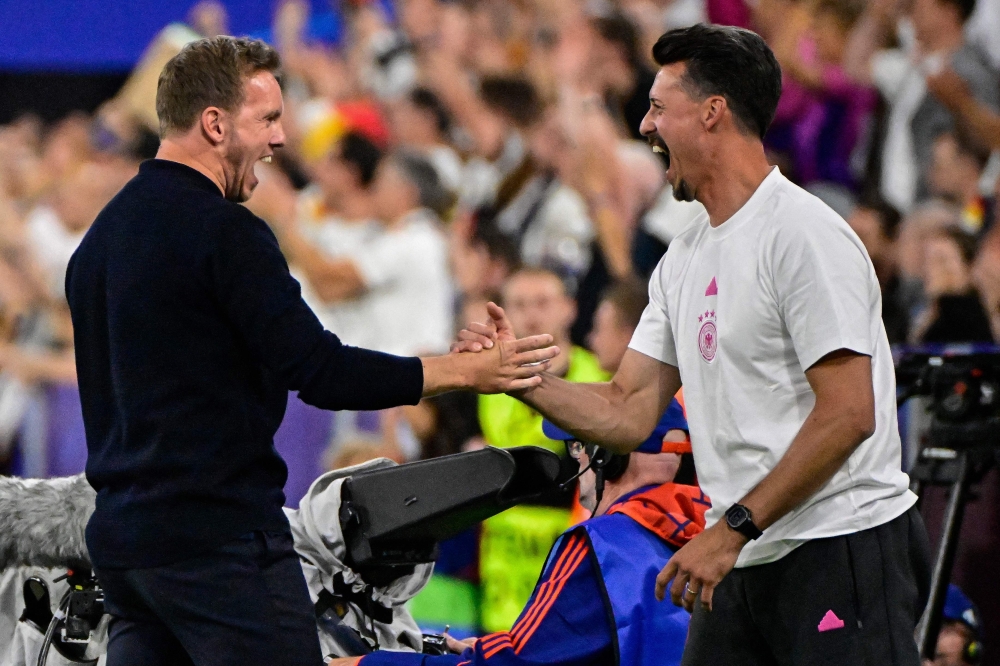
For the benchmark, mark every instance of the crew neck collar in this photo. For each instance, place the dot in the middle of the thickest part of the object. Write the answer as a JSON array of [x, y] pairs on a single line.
[[751, 207], [190, 174]]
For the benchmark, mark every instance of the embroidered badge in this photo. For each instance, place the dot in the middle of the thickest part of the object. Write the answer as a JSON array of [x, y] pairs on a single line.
[[708, 342]]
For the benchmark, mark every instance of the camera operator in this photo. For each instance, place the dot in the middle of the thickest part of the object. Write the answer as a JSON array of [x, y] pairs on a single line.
[[594, 603], [959, 641]]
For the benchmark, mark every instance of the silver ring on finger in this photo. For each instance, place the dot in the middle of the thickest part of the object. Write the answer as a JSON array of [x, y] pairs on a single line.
[[689, 591]]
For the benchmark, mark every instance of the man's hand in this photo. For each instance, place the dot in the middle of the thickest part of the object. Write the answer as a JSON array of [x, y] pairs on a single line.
[[343, 661], [478, 336], [457, 646], [512, 365], [700, 565], [507, 364], [950, 89]]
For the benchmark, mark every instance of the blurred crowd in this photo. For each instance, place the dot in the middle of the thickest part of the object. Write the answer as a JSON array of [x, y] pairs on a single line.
[[443, 154]]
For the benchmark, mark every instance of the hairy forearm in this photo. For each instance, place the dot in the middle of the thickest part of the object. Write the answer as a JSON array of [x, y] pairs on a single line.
[[824, 443], [600, 413]]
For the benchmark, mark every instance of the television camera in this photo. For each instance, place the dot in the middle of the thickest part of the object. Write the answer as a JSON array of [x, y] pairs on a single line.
[[390, 519], [961, 388]]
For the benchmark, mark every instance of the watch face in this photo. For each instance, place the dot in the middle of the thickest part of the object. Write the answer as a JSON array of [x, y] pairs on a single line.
[[736, 516]]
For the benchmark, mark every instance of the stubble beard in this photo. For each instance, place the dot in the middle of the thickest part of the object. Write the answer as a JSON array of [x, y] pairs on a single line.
[[236, 159], [682, 192]]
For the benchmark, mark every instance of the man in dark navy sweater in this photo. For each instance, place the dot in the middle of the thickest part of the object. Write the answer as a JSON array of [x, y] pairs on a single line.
[[189, 334]]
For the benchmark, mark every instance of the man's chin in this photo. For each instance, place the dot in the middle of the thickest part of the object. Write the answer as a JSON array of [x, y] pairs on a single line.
[[682, 192]]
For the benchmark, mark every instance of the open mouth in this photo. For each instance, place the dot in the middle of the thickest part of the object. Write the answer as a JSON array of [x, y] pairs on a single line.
[[660, 148], [266, 159]]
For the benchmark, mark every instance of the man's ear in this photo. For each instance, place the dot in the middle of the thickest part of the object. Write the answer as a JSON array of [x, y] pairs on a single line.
[[213, 126], [713, 109]]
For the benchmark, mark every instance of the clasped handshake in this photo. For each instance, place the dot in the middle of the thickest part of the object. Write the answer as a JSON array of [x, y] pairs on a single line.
[[489, 358]]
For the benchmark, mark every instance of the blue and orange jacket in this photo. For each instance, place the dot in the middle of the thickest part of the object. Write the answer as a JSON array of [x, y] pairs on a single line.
[[594, 602]]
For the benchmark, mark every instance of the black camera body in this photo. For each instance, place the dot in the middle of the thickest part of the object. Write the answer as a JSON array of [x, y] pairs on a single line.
[[963, 385]]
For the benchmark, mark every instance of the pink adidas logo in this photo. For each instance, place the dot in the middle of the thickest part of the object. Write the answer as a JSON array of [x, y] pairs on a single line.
[[713, 289], [830, 622]]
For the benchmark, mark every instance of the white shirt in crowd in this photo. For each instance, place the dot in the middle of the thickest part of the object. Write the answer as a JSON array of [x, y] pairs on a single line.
[[405, 270], [52, 245], [353, 321], [903, 83], [743, 309]]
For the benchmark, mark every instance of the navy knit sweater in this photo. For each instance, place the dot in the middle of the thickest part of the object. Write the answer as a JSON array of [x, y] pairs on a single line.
[[189, 333]]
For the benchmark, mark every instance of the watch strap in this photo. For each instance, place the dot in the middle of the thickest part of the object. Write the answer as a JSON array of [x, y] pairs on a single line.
[[746, 527]]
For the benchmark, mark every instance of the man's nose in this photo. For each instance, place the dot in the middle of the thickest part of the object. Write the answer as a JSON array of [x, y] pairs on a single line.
[[278, 138], [646, 127]]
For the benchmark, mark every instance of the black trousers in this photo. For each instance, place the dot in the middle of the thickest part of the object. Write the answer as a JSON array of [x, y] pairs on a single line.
[[852, 600], [245, 603]]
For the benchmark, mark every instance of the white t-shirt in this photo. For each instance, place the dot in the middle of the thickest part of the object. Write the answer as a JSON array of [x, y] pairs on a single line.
[[52, 245], [742, 310], [353, 321], [406, 273]]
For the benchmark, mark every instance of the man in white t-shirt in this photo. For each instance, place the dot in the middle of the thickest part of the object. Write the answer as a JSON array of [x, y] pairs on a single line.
[[769, 310]]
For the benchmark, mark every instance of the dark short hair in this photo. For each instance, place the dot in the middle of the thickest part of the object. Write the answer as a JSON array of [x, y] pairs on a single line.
[[416, 169], [621, 31], [358, 151], [512, 96], [965, 242], [209, 72], [732, 62], [889, 218], [846, 12], [426, 100], [498, 245], [629, 297], [964, 7]]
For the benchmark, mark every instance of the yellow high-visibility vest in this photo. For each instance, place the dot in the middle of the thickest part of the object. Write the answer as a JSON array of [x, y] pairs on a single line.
[[515, 543]]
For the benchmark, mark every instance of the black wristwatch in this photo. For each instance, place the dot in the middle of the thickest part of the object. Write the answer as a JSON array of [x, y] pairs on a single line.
[[739, 518]]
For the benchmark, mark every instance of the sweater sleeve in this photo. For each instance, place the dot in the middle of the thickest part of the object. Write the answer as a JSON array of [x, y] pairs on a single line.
[[250, 278]]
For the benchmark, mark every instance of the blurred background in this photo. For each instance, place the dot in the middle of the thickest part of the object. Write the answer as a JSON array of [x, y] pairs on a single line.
[[442, 154]]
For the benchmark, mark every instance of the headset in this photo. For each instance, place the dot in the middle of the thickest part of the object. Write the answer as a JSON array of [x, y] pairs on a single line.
[[607, 466], [972, 651]]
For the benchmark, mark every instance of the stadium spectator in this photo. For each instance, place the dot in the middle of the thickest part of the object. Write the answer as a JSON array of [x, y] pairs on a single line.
[[422, 123], [960, 639], [954, 312], [956, 168], [811, 52], [877, 225], [323, 227], [915, 118], [615, 320]]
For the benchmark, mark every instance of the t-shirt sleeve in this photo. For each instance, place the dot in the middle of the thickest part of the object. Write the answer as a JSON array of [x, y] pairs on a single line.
[[251, 281], [823, 284], [653, 336]]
